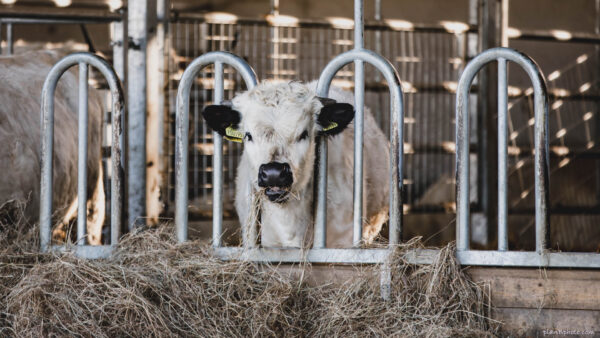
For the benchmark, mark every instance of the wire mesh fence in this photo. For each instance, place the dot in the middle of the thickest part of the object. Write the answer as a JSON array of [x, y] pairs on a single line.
[[428, 60]]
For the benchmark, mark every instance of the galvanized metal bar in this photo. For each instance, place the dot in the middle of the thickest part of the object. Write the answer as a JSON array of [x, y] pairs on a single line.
[[396, 138], [47, 117], [359, 24], [377, 17], [116, 152], [324, 256], [416, 256], [82, 155], [85, 251], [118, 43], [359, 108], [541, 143], [385, 280], [66, 20], [502, 155], [217, 163], [46, 184], [588, 260], [182, 125], [503, 26], [320, 228], [162, 29], [9, 39], [320, 231], [136, 102]]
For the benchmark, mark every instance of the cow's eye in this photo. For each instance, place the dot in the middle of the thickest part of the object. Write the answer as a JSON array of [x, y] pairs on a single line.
[[248, 137], [303, 136]]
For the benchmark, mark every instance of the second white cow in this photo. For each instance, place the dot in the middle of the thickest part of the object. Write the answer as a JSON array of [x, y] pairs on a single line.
[[278, 123]]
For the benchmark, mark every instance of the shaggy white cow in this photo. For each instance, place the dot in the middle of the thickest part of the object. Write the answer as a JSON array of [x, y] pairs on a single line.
[[22, 77], [278, 123]]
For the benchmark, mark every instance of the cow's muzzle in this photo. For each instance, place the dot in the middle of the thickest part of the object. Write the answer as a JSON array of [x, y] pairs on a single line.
[[277, 179]]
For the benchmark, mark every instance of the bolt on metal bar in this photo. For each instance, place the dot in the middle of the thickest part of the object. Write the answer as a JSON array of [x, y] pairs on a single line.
[[541, 141], [502, 155], [396, 141], [83, 155], [182, 131], [47, 117]]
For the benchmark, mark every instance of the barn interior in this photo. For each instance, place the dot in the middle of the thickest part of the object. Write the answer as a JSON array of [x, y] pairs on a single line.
[[429, 43]]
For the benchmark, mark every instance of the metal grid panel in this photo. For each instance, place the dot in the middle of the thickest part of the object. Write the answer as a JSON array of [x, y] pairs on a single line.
[[427, 60], [574, 158]]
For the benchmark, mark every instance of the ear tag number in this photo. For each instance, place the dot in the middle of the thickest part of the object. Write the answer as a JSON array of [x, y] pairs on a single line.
[[332, 125], [234, 135]]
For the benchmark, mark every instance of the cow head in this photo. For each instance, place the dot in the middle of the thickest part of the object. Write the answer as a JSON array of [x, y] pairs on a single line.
[[278, 122]]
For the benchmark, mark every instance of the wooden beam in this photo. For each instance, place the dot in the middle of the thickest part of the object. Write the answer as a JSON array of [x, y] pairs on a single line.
[[549, 322], [536, 288]]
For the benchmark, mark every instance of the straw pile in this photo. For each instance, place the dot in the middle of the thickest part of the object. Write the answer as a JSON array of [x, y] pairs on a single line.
[[156, 287]]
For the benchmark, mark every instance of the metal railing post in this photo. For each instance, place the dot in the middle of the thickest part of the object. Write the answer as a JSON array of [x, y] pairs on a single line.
[[182, 132], [137, 33], [47, 115], [396, 141], [359, 107], [502, 155], [82, 155], [502, 55], [218, 163], [359, 55]]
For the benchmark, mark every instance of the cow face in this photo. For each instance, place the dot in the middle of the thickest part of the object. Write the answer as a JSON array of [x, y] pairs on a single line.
[[277, 124]]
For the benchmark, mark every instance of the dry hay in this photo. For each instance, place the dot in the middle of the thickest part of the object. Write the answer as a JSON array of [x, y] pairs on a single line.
[[156, 287]]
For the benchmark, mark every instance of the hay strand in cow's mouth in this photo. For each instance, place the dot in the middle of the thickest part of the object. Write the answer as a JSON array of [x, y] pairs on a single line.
[[154, 286]]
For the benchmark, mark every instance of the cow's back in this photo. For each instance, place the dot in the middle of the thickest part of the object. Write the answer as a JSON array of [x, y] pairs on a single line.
[[22, 77], [340, 177]]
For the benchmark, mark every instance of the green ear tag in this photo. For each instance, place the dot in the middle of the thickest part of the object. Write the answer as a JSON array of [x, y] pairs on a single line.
[[234, 135], [330, 126]]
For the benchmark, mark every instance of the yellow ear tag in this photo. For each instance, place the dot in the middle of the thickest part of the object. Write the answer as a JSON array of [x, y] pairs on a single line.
[[234, 135], [330, 126]]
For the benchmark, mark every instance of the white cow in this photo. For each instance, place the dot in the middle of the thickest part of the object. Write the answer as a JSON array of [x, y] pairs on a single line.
[[22, 77], [278, 123]]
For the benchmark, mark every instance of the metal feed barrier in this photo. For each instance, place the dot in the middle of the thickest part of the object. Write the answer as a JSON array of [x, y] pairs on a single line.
[[502, 257], [319, 254], [83, 60], [181, 139]]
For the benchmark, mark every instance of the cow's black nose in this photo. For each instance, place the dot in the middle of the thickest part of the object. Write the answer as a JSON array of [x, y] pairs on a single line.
[[275, 174]]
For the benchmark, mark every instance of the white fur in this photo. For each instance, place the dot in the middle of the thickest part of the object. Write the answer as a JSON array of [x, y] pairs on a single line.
[[275, 114], [22, 77]]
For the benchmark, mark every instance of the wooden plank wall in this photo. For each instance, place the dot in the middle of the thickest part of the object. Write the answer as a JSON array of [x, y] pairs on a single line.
[[530, 302], [537, 302]]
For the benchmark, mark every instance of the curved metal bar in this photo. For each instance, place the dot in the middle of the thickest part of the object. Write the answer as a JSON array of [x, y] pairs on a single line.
[[541, 143], [47, 115], [396, 140], [181, 138]]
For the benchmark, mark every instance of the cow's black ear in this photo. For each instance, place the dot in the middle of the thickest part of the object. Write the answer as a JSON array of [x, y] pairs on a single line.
[[335, 117], [220, 117]]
